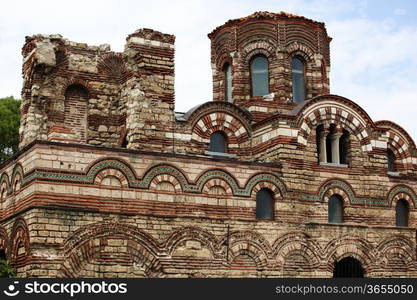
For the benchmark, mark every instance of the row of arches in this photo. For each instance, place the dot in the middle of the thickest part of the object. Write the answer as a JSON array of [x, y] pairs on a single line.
[[91, 244], [259, 73]]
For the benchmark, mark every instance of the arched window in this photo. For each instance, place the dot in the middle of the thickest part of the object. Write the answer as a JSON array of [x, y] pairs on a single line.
[[227, 70], [259, 74], [335, 209], [76, 105], [298, 84], [401, 213], [264, 204], [348, 267], [218, 142], [390, 161]]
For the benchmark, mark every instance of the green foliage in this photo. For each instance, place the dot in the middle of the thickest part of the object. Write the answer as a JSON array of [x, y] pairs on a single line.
[[9, 127], [6, 270]]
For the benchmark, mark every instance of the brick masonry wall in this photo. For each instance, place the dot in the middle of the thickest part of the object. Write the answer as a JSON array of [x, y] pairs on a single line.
[[86, 211]]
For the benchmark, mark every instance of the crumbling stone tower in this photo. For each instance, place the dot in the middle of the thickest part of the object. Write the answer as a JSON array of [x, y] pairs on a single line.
[[87, 94]]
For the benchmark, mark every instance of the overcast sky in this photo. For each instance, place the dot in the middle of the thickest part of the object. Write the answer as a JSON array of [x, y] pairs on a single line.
[[373, 52]]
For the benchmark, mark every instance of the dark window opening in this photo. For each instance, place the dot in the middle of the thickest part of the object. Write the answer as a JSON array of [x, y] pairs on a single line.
[[218, 142], [390, 161], [298, 80], [259, 76], [401, 213], [264, 204], [2, 254], [227, 70], [124, 142], [335, 209], [319, 132], [348, 268], [343, 147]]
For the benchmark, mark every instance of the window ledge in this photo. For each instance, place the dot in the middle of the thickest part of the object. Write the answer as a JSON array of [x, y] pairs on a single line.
[[333, 164], [220, 154], [390, 173]]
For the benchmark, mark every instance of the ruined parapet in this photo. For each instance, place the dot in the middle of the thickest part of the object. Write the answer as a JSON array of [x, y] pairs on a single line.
[[149, 93]]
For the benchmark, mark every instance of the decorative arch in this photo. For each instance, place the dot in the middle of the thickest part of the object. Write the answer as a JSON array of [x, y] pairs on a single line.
[[113, 65], [166, 178], [208, 177], [17, 173], [352, 246], [299, 49], [19, 238], [258, 47], [98, 168], [265, 180], [105, 173], [213, 182], [336, 187], [396, 246], [5, 187], [169, 171], [332, 109], [187, 233], [4, 241], [401, 192], [296, 241], [89, 242]]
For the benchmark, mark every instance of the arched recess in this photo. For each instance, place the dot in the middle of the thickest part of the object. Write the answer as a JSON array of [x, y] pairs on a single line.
[[4, 242], [112, 65], [192, 233], [217, 182], [396, 252], [17, 177], [122, 169], [336, 187], [402, 191], [20, 247], [350, 246], [331, 109], [265, 180], [111, 177], [94, 250], [159, 172], [222, 177], [400, 143]]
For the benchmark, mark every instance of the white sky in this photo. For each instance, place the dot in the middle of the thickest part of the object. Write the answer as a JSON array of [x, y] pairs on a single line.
[[373, 56]]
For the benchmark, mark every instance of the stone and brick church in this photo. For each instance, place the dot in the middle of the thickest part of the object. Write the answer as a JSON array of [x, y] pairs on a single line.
[[276, 177]]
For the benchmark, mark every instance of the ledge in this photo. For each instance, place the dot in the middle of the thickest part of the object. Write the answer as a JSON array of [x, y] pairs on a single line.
[[220, 154], [333, 164], [395, 174]]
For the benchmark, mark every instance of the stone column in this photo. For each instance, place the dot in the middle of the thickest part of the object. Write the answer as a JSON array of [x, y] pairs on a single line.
[[322, 146], [334, 140]]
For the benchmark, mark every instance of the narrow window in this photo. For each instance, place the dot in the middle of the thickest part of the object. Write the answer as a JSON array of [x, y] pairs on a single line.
[[259, 74], [227, 70], [335, 209], [298, 85], [264, 204], [343, 147], [218, 142], [401, 213], [390, 161]]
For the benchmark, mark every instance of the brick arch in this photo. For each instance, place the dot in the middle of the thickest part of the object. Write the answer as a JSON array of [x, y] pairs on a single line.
[[4, 241], [296, 241], [265, 180], [217, 182], [113, 65], [87, 244], [299, 49], [331, 109], [227, 180], [166, 178], [5, 186], [167, 170], [396, 245], [402, 191], [336, 187], [235, 130], [76, 81], [222, 58], [104, 173], [250, 242], [19, 237], [353, 246], [116, 164], [258, 47], [17, 173], [187, 233]]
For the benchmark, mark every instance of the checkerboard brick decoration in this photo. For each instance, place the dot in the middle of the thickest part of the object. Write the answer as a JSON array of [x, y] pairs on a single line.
[[110, 181]]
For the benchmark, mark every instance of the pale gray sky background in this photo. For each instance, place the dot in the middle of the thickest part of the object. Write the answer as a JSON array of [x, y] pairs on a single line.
[[373, 52]]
